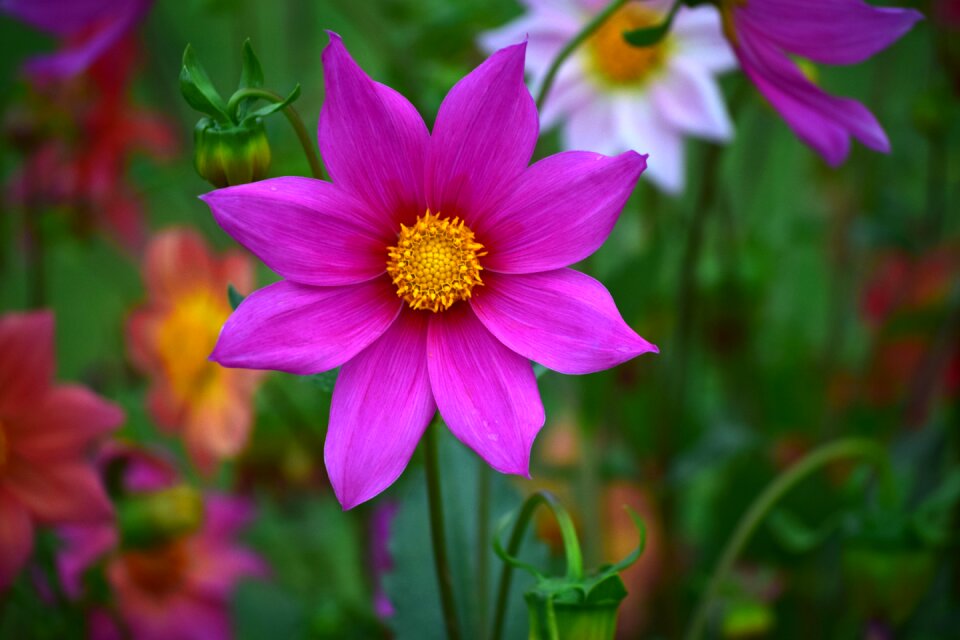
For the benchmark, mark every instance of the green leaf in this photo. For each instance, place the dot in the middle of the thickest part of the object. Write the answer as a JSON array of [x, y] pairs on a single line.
[[649, 36], [234, 296], [251, 77], [797, 536], [198, 90], [276, 106], [251, 73]]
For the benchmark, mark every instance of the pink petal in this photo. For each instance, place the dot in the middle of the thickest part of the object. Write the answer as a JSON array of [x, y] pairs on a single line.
[[380, 408], [483, 138], [300, 329], [827, 31], [26, 358], [63, 423], [308, 231], [373, 140], [16, 539], [565, 320], [560, 211], [822, 121], [57, 493], [486, 393]]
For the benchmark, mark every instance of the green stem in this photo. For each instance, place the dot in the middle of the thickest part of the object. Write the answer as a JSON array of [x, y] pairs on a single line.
[[438, 531], [571, 46], [483, 548], [571, 547], [35, 255], [846, 448], [293, 117]]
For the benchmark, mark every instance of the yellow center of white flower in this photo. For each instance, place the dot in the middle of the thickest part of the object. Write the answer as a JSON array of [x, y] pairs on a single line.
[[185, 338], [617, 62], [435, 263], [3, 447]]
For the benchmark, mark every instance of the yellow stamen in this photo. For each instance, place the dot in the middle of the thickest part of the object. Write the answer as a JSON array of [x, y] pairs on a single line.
[[617, 62], [436, 262]]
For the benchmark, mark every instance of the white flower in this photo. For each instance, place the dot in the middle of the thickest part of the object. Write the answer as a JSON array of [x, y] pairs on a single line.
[[610, 97]]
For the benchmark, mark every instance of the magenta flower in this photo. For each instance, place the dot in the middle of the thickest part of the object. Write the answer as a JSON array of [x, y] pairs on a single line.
[[765, 33], [87, 29], [432, 270]]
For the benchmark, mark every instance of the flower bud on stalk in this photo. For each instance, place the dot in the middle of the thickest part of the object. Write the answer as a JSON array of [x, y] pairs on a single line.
[[226, 156], [230, 141]]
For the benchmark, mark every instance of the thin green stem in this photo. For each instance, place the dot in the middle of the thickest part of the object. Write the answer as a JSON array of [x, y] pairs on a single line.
[[293, 117], [571, 547], [572, 46], [484, 481], [35, 255], [438, 531], [781, 485]]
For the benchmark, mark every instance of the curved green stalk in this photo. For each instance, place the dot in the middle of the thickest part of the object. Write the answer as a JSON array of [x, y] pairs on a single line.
[[293, 117], [846, 448], [571, 548]]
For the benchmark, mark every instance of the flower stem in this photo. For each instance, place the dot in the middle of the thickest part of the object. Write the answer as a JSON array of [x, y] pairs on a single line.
[[571, 46], [846, 448], [293, 117], [483, 547], [438, 530], [571, 549]]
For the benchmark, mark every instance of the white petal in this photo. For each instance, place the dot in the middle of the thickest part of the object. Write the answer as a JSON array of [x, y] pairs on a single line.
[[689, 98]]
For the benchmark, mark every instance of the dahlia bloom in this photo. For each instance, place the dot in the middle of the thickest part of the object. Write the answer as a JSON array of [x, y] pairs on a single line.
[[45, 430], [766, 33], [87, 28], [432, 270], [610, 96], [170, 336]]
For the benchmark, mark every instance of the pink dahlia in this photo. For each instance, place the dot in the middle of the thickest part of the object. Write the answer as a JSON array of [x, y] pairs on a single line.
[[766, 33], [45, 431], [432, 269], [87, 28]]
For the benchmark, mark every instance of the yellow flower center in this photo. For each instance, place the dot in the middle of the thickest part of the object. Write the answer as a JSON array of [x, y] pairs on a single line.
[[185, 338], [436, 262], [159, 571], [617, 62], [3, 447]]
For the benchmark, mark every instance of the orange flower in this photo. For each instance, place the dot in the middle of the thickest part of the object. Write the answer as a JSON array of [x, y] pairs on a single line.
[[170, 337]]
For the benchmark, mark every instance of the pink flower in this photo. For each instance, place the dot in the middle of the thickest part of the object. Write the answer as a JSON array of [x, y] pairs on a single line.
[[181, 589], [45, 431], [432, 270], [87, 28], [765, 33]]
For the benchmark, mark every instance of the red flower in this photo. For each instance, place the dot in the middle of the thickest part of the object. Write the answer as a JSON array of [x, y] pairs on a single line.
[[45, 430]]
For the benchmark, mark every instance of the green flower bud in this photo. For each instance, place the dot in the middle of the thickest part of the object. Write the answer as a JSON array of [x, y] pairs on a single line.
[[575, 614], [228, 155], [887, 581], [154, 518]]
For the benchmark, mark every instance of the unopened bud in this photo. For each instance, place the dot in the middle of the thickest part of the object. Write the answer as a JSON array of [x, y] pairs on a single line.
[[228, 155]]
